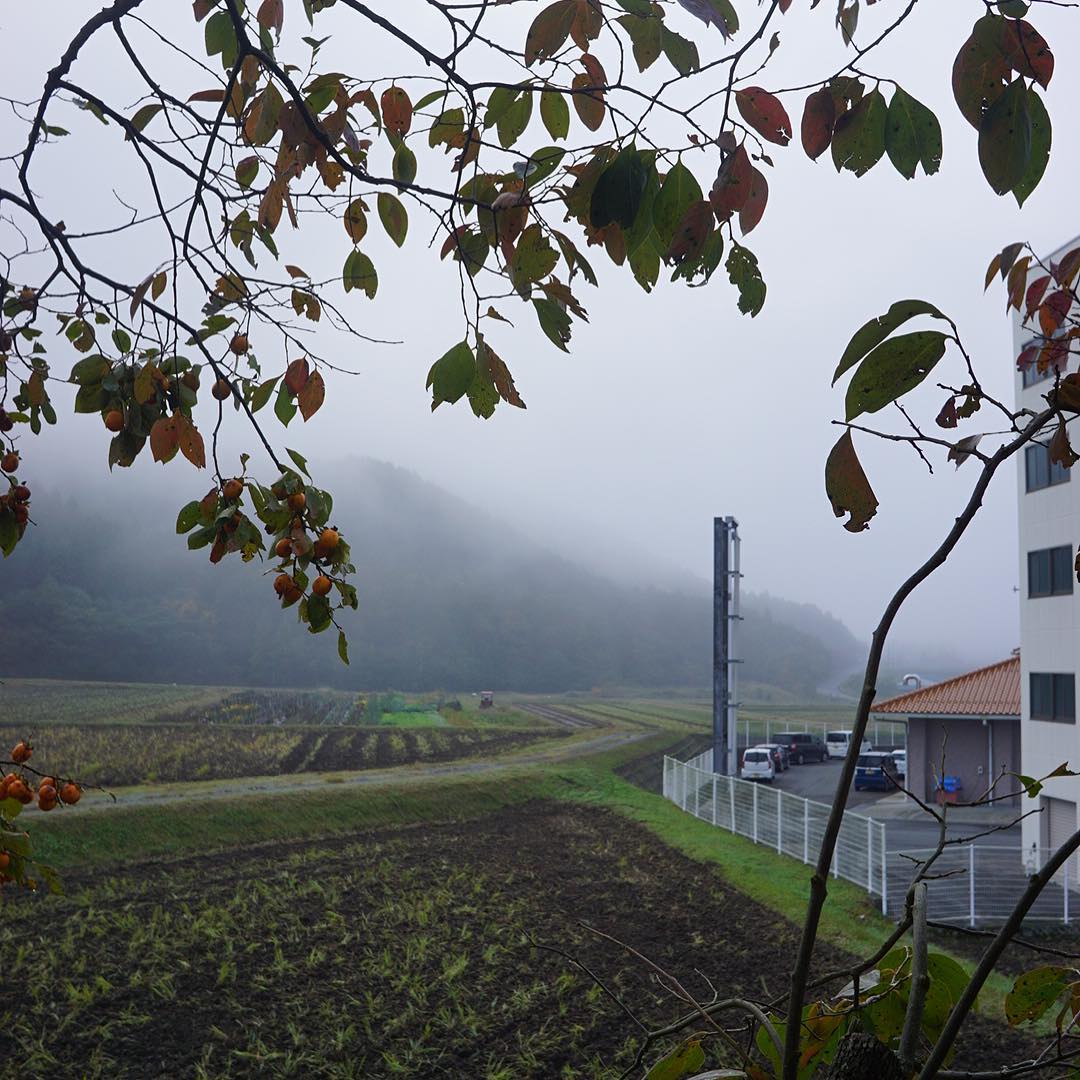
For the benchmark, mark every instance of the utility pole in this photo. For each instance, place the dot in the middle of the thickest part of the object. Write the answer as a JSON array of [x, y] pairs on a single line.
[[726, 615]]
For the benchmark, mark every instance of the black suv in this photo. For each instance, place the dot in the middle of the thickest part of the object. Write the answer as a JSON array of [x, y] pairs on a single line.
[[802, 746]]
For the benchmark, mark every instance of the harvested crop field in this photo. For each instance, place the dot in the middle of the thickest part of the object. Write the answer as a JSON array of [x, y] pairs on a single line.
[[394, 952], [122, 754]]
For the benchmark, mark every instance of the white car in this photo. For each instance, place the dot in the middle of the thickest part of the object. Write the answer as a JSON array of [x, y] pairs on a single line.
[[837, 743], [900, 758], [757, 764]]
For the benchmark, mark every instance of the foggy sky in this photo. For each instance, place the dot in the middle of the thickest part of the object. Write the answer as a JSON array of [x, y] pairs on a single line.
[[671, 407]]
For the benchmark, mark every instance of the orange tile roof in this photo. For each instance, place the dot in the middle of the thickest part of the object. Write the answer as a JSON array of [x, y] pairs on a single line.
[[990, 691]]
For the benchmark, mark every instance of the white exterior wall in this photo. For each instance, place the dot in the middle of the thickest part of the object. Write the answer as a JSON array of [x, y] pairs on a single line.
[[1049, 626]]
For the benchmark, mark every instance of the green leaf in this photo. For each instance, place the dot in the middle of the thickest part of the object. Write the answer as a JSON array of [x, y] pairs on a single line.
[[1035, 992], [452, 374], [877, 330], [9, 534], [359, 273], [742, 268], [681, 54], [284, 406], [858, 141], [502, 97], [91, 369], [16, 842], [394, 217], [682, 1062], [555, 114], [220, 36], [1040, 148], [1005, 136], [449, 124], [948, 981], [534, 257], [404, 164], [679, 190], [513, 122], [343, 647], [912, 136], [299, 461], [318, 613], [546, 160], [261, 395], [617, 195], [144, 116], [188, 518], [892, 369], [847, 487], [554, 321], [646, 35]]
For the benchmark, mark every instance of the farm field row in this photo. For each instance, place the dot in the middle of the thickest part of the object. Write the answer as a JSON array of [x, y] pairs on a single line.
[[125, 755], [409, 950]]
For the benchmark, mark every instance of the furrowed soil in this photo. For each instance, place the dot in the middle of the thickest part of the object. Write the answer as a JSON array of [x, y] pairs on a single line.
[[392, 952]]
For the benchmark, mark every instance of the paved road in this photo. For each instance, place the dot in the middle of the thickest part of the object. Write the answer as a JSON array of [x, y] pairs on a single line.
[[564, 750]]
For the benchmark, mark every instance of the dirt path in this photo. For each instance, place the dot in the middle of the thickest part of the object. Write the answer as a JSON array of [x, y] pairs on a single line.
[[404, 774]]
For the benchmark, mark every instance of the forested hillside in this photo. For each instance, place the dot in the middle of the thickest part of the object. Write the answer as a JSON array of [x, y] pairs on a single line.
[[450, 598]]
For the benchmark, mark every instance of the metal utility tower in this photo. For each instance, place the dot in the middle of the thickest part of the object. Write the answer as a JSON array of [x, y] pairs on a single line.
[[726, 616]]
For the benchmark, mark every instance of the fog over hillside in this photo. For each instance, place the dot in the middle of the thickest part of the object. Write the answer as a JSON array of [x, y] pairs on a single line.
[[450, 597]]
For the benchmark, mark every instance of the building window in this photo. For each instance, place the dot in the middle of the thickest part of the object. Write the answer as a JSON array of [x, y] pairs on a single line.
[[1053, 697], [1040, 471], [1050, 572]]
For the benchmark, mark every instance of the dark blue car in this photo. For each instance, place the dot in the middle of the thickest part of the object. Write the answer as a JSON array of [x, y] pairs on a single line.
[[873, 771]]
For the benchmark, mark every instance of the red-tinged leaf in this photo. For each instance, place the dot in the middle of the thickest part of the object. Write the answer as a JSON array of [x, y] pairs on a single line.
[[218, 549], [549, 31], [819, 115], [191, 442], [1053, 356], [765, 114], [295, 271], [694, 229], [1026, 51], [847, 487], [1035, 292], [1067, 269], [947, 417], [139, 294], [991, 270], [1027, 357], [588, 102], [296, 374], [311, 396], [164, 439], [208, 95], [754, 207], [271, 15], [1016, 283], [733, 182], [594, 69], [1061, 451], [588, 22], [157, 284], [453, 241], [355, 220], [1008, 258], [1053, 311], [396, 110], [202, 8]]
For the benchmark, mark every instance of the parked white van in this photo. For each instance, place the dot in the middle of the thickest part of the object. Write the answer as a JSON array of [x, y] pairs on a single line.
[[757, 764], [837, 743]]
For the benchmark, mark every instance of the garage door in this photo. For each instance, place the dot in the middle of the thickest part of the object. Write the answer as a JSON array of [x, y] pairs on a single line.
[[1060, 824]]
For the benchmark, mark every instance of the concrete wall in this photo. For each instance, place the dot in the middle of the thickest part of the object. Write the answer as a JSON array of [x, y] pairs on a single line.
[[967, 752]]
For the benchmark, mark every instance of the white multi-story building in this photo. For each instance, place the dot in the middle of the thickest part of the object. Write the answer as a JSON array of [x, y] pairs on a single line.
[[1049, 519]]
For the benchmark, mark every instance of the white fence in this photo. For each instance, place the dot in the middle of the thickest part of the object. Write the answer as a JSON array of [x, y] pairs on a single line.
[[971, 884], [787, 823], [975, 884]]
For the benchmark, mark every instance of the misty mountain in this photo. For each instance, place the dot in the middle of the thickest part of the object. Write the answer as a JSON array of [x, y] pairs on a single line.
[[450, 598]]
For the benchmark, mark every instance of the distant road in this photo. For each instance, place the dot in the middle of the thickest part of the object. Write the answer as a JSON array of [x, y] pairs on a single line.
[[417, 773]]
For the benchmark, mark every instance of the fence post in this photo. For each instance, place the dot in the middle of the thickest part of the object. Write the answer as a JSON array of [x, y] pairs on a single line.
[[971, 882], [780, 822], [1065, 900], [731, 797], [806, 830], [884, 875], [869, 856], [714, 799], [755, 812], [697, 795]]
